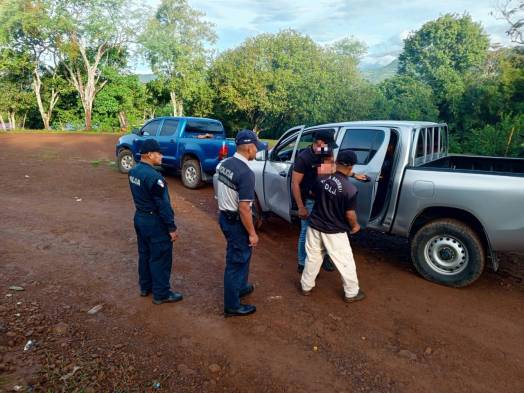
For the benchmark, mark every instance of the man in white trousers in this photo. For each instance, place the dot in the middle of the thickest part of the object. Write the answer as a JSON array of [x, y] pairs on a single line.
[[333, 216]]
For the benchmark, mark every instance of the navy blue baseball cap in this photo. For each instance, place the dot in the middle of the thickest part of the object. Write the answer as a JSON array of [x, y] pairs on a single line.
[[347, 157], [149, 146], [245, 137]]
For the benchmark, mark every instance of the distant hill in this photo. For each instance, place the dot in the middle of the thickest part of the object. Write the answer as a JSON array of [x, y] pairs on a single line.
[[377, 75], [144, 78]]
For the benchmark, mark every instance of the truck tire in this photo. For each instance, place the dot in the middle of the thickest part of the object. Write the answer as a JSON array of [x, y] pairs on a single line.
[[192, 174], [125, 160], [448, 252]]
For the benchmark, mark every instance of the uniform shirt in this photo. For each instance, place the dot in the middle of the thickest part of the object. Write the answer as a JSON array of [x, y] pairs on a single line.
[[307, 163], [335, 195], [236, 182], [150, 194]]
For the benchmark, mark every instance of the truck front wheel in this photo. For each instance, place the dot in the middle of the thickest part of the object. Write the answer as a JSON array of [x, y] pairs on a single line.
[[192, 174], [448, 252], [125, 160]]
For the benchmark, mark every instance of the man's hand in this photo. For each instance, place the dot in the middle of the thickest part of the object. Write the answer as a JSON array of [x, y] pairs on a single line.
[[360, 176], [355, 229], [174, 236], [253, 240], [302, 212]]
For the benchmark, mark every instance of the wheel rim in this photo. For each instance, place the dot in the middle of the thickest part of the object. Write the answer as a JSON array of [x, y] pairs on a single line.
[[446, 255], [191, 175], [127, 162]]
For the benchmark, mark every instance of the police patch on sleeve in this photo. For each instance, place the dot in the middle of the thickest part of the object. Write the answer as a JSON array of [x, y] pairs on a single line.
[[160, 182]]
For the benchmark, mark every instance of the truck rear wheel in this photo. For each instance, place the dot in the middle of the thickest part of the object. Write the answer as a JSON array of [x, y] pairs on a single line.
[[448, 252], [125, 160], [192, 174]]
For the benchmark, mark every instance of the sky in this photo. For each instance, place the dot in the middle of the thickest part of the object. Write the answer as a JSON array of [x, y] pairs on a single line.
[[381, 24]]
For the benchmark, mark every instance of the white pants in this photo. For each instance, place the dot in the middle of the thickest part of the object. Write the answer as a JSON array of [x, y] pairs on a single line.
[[336, 245]]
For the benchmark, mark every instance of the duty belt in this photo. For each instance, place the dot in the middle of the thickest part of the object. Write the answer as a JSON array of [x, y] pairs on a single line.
[[231, 215], [151, 213]]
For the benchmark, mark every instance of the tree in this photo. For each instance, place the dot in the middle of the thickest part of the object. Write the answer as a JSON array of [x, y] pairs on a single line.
[[28, 28], [513, 12], [174, 44], [92, 35], [442, 53], [409, 99], [15, 85]]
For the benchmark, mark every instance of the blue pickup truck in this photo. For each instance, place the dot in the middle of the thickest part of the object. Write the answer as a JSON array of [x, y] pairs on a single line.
[[190, 145]]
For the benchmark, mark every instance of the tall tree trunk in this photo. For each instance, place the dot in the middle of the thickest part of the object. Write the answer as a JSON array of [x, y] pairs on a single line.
[[37, 88], [89, 88], [2, 122], [23, 121], [122, 120], [12, 119], [174, 103], [180, 106]]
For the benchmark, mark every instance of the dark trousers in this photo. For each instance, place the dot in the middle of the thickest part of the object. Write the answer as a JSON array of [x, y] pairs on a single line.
[[238, 256], [155, 254]]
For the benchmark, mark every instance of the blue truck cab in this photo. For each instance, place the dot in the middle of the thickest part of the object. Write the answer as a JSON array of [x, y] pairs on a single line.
[[191, 146]]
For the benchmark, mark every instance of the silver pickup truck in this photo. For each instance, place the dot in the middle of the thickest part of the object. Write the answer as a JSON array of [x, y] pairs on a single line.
[[457, 211]]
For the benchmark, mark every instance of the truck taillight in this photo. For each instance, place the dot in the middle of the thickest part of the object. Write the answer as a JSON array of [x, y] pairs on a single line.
[[222, 153]]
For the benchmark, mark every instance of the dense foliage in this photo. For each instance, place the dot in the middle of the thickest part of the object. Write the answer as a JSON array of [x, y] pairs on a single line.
[[65, 64]]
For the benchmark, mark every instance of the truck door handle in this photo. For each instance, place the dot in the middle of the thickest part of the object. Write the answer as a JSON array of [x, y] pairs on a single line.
[[283, 173]]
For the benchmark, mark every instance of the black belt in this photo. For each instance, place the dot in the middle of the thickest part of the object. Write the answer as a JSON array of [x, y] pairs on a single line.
[[231, 215], [151, 213]]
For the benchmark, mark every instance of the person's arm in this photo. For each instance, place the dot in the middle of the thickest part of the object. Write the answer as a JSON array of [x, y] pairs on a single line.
[[296, 179], [165, 210], [351, 216], [246, 216], [359, 176]]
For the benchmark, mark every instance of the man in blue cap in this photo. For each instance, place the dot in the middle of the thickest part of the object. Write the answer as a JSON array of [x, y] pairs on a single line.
[[154, 225], [236, 193]]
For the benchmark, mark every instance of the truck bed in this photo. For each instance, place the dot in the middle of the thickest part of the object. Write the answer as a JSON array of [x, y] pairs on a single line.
[[492, 165]]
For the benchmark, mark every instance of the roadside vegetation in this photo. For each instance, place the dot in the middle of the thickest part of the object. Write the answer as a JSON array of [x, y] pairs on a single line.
[[65, 65]]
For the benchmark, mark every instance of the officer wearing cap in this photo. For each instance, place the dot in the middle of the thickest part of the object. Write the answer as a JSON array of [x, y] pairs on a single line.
[[154, 225], [235, 194], [333, 216]]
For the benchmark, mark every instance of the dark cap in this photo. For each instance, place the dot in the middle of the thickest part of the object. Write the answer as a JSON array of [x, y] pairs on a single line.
[[149, 146], [347, 157], [245, 137], [328, 136]]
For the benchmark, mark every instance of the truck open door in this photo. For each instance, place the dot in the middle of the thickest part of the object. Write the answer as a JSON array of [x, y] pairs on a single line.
[[277, 173], [371, 146]]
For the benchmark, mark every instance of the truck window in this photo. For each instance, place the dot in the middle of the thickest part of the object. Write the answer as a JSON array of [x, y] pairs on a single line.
[[169, 127], [284, 152], [420, 144], [151, 128], [204, 126], [364, 143]]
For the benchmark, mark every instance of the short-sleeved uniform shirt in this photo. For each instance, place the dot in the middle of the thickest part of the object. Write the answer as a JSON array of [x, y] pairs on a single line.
[[236, 183], [307, 163], [335, 195], [150, 194]]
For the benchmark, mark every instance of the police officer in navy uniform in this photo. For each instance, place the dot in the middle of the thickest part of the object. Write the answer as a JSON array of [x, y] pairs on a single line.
[[236, 193], [154, 225]]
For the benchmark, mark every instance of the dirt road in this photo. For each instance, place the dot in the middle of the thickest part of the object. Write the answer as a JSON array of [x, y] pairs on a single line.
[[66, 238]]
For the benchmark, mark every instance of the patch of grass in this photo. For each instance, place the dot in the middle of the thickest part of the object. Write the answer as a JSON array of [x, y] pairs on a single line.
[[52, 132]]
